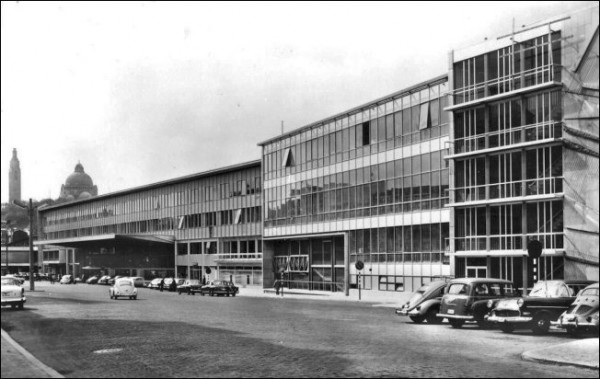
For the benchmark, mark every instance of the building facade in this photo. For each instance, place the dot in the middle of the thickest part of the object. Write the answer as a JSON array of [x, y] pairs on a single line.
[[524, 153], [14, 179], [201, 226], [368, 185]]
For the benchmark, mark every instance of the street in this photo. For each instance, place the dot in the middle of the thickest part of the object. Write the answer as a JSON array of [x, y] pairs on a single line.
[[80, 332]]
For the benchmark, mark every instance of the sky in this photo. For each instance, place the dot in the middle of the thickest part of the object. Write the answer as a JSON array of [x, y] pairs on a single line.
[[150, 91]]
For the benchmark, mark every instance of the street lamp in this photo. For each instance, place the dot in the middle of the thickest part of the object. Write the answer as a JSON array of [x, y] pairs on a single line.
[[7, 241], [30, 209]]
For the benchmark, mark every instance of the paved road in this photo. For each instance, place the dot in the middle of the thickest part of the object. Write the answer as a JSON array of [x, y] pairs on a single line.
[[80, 332]]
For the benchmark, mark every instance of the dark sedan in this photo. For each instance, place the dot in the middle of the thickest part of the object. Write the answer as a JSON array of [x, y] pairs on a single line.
[[546, 301], [219, 287], [190, 286]]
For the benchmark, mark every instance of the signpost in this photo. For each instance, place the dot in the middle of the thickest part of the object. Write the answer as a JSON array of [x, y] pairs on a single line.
[[359, 266], [534, 251]]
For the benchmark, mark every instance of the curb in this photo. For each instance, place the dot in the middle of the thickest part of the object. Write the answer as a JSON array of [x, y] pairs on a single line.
[[531, 356], [33, 360]]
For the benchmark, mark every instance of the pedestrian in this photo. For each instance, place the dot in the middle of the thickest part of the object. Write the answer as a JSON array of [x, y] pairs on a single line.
[[173, 285], [161, 286], [277, 285], [51, 278]]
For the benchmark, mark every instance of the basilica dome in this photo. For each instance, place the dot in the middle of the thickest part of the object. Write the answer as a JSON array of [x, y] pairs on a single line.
[[78, 185]]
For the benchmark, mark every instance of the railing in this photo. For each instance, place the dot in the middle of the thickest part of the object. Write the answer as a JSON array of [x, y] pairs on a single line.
[[313, 285], [527, 187], [239, 256], [507, 137], [507, 242]]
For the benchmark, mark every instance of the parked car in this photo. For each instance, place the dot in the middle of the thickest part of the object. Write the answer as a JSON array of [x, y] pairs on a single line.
[[12, 293], [67, 279], [545, 303], [471, 299], [92, 280], [154, 283], [582, 315], [219, 287], [424, 304], [138, 281], [104, 279], [172, 283], [190, 286], [123, 287]]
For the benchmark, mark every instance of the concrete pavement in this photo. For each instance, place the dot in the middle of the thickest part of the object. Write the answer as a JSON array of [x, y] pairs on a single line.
[[581, 353], [19, 363]]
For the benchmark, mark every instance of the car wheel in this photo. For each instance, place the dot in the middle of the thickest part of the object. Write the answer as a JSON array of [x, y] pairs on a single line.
[[233, 294], [542, 324], [417, 319], [432, 317], [506, 327], [456, 324], [21, 305]]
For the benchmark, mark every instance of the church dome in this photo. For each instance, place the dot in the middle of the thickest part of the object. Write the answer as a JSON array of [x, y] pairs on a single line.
[[79, 178]]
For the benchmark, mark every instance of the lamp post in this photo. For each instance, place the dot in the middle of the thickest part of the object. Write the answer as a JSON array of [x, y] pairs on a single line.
[[7, 242], [30, 209]]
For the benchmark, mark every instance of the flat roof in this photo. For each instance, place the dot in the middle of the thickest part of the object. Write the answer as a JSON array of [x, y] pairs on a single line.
[[182, 179], [405, 91]]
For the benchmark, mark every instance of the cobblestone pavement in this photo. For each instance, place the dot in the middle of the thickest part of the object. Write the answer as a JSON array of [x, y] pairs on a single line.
[[80, 332]]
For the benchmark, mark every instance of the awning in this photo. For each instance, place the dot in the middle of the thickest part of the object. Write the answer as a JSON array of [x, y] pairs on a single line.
[[79, 241]]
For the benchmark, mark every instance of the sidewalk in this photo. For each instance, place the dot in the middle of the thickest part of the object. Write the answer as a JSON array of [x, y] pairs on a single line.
[[19, 363], [375, 298], [581, 353]]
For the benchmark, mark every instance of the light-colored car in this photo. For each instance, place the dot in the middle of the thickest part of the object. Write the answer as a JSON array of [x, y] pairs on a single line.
[[17, 278], [424, 304], [582, 315], [67, 279], [138, 281], [12, 293], [154, 283], [123, 287]]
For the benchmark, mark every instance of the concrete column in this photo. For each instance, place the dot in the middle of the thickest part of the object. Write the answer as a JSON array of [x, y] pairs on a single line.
[[346, 265]]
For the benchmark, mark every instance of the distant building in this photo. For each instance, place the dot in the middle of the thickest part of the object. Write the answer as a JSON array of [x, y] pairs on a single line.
[[14, 179], [78, 185]]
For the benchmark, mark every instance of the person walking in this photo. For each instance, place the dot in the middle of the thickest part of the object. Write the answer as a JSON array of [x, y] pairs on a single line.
[[161, 286]]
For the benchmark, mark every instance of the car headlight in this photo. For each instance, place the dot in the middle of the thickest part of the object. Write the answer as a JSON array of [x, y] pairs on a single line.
[[520, 303], [490, 303]]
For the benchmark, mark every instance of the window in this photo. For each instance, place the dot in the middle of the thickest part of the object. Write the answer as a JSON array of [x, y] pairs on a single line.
[[365, 134], [287, 161], [424, 116]]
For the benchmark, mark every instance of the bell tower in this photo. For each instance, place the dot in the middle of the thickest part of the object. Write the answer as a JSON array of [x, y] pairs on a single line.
[[14, 179]]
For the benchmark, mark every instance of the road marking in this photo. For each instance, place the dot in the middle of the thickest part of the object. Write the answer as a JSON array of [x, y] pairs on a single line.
[[108, 351]]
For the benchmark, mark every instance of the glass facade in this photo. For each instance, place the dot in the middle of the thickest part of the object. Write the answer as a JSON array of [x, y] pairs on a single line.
[[382, 165]]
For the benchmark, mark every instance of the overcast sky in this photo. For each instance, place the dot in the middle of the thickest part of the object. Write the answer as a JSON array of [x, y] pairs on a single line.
[[144, 92]]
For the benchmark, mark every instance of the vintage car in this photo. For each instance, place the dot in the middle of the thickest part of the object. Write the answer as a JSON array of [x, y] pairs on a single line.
[[17, 278], [172, 283], [219, 287], [67, 279], [470, 299], [546, 301], [190, 286], [12, 293], [92, 280], [138, 281], [424, 304], [104, 279], [582, 315], [154, 283], [123, 287]]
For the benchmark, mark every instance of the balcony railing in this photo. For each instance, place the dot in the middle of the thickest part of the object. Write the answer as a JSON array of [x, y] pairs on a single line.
[[507, 242], [508, 137], [527, 187], [240, 256]]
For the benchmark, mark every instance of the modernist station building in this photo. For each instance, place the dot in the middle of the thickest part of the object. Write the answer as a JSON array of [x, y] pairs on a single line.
[[524, 153], [203, 225], [455, 176]]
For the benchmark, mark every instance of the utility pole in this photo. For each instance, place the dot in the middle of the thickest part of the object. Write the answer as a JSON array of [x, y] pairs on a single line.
[[32, 259]]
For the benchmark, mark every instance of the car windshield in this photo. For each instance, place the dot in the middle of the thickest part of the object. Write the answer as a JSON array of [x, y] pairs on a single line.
[[10, 282], [589, 292], [549, 289], [458, 289], [124, 283]]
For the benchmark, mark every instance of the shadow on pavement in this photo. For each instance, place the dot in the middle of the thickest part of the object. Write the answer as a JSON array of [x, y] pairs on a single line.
[[130, 348]]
